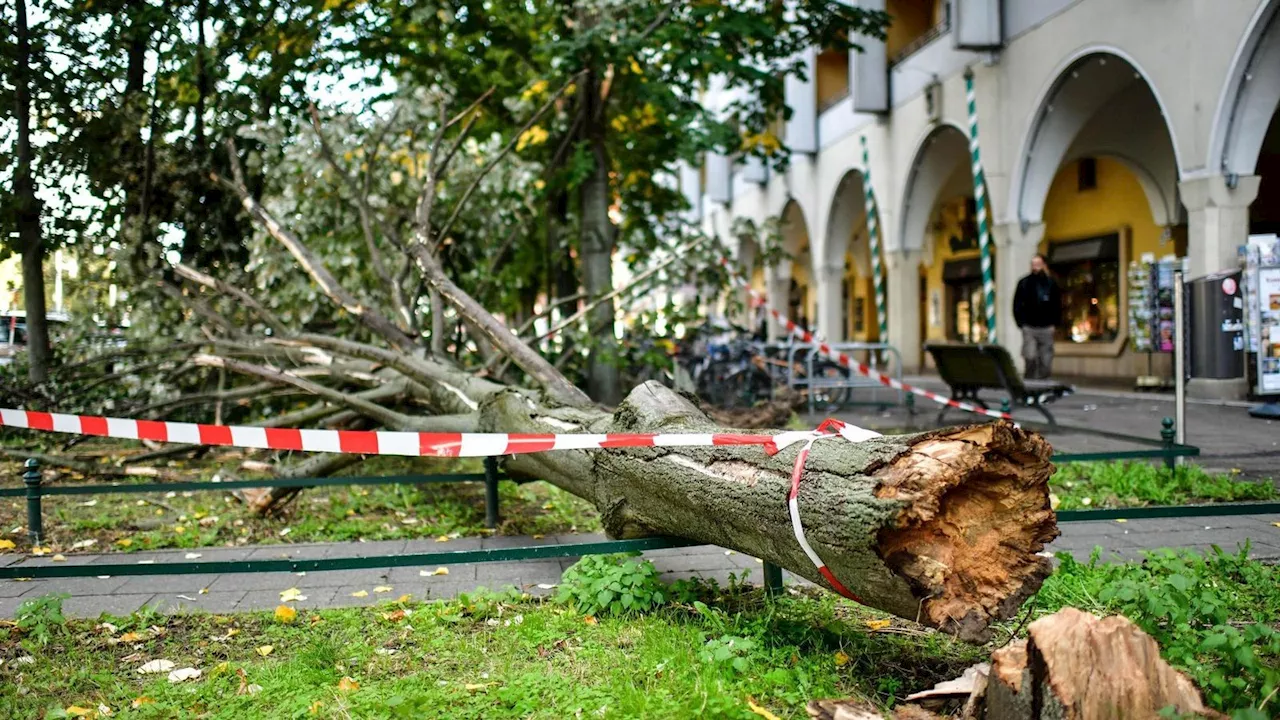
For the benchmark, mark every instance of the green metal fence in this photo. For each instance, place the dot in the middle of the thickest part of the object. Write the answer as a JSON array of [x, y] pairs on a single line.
[[1165, 449]]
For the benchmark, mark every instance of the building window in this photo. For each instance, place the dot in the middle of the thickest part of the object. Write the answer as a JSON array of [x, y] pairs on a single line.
[[1086, 174], [967, 318], [1088, 273], [859, 315]]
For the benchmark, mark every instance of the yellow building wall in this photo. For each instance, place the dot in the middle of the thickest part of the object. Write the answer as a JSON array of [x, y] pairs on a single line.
[[909, 19], [1117, 204], [860, 287], [948, 216]]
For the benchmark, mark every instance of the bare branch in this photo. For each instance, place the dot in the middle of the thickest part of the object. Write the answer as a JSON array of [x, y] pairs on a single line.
[[195, 276], [369, 317]]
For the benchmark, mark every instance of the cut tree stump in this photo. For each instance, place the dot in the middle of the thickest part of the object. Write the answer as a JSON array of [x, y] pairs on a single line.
[[1072, 666], [941, 527]]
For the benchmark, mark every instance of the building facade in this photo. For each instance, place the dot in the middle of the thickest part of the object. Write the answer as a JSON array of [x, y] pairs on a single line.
[[1110, 131]]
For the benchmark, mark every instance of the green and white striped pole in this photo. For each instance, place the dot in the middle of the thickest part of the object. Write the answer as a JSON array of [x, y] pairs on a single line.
[[980, 202], [873, 235]]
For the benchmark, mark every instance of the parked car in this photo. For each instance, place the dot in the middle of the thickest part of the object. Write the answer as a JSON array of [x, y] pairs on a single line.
[[13, 332]]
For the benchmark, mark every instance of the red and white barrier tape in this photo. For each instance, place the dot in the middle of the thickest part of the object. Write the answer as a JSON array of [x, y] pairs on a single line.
[[848, 362], [429, 444]]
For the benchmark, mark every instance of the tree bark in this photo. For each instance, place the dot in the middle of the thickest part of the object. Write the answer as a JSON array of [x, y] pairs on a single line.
[[596, 241], [30, 236], [942, 527]]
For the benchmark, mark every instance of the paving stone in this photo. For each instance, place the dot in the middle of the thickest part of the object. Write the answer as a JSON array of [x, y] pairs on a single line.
[[290, 552], [511, 541], [465, 572], [214, 602], [91, 606], [81, 586], [16, 588], [276, 581], [414, 547], [343, 596], [9, 606], [336, 578], [269, 599], [366, 549], [489, 572], [167, 583]]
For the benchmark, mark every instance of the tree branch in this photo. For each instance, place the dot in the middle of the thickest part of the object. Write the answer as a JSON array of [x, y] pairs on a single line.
[[195, 276]]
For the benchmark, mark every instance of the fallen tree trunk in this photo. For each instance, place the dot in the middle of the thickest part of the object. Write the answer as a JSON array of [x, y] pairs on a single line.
[[941, 527]]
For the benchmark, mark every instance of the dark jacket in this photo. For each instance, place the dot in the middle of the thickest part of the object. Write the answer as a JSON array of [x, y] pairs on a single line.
[[1037, 302]]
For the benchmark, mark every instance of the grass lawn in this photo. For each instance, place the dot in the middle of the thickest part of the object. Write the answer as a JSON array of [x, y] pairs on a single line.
[[1119, 484], [134, 522], [509, 656]]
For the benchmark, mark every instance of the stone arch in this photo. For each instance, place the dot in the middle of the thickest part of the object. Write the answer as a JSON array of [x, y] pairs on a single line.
[[1100, 103], [940, 163], [847, 219], [1250, 97]]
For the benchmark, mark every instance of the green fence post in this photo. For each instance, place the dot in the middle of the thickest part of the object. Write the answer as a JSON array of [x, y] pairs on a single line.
[[772, 579], [491, 493], [35, 521], [1167, 434]]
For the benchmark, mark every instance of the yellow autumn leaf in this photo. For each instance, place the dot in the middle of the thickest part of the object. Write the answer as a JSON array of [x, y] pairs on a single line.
[[360, 593], [58, 558], [40, 550], [315, 707], [347, 684], [124, 542], [534, 90], [130, 637], [635, 67], [286, 614], [440, 571], [291, 595], [442, 538], [1277, 524], [532, 137], [383, 589], [475, 687], [1121, 520], [266, 650], [841, 658], [590, 620], [7, 545], [404, 598], [762, 712], [220, 668], [77, 711], [140, 701], [878, 624]]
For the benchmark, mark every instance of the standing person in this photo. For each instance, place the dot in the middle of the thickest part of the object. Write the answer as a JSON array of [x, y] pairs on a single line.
[[1037, 308]]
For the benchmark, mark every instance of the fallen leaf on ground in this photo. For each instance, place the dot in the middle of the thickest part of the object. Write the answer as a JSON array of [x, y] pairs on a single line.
[[156, 666], [404, 598], [394, 616], [437, 571], [291, 595], [590, 620], [184, 674], [878, 624], [130, 637], [265, 650], [360, 593], [538, 537], [40, 551], [286, 614], [209, 521], [204, 591], [7, 545], [762, 712], [77, 711], [473, 687], [442, 538], [84, 544], [382, 589], [315, 707], [193, 556], [140, 701], [546, 586], [124, 542], [1121, 520], [1277, 524], [347, 684], [58, 558], [841, 658], [89, 503]]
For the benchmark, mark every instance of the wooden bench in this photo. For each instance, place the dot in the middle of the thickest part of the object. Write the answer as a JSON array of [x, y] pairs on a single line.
[[969, 369]]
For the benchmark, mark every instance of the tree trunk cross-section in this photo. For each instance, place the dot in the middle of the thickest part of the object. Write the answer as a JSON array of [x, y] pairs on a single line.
[[942, 527]]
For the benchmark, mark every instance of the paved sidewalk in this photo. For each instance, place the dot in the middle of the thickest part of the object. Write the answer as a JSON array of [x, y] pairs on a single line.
[[261, 591]]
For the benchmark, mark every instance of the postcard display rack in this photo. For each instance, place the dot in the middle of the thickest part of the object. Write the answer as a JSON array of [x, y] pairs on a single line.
[[1151, 324], [1261, 280]]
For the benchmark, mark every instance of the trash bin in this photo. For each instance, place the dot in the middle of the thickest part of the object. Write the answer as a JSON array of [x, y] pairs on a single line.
[[1216, 342]]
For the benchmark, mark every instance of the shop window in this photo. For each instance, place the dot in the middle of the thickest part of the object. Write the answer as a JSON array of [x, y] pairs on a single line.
[[859, 315], [1088, 273], [966, 303]]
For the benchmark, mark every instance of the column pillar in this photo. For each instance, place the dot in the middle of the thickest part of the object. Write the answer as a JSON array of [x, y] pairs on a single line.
[[1015, 246], [1217, 220], [831, 303], [778, 282], [902, 305]]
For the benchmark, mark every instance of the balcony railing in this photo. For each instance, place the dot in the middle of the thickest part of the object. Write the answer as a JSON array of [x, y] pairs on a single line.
[[914, 46]]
